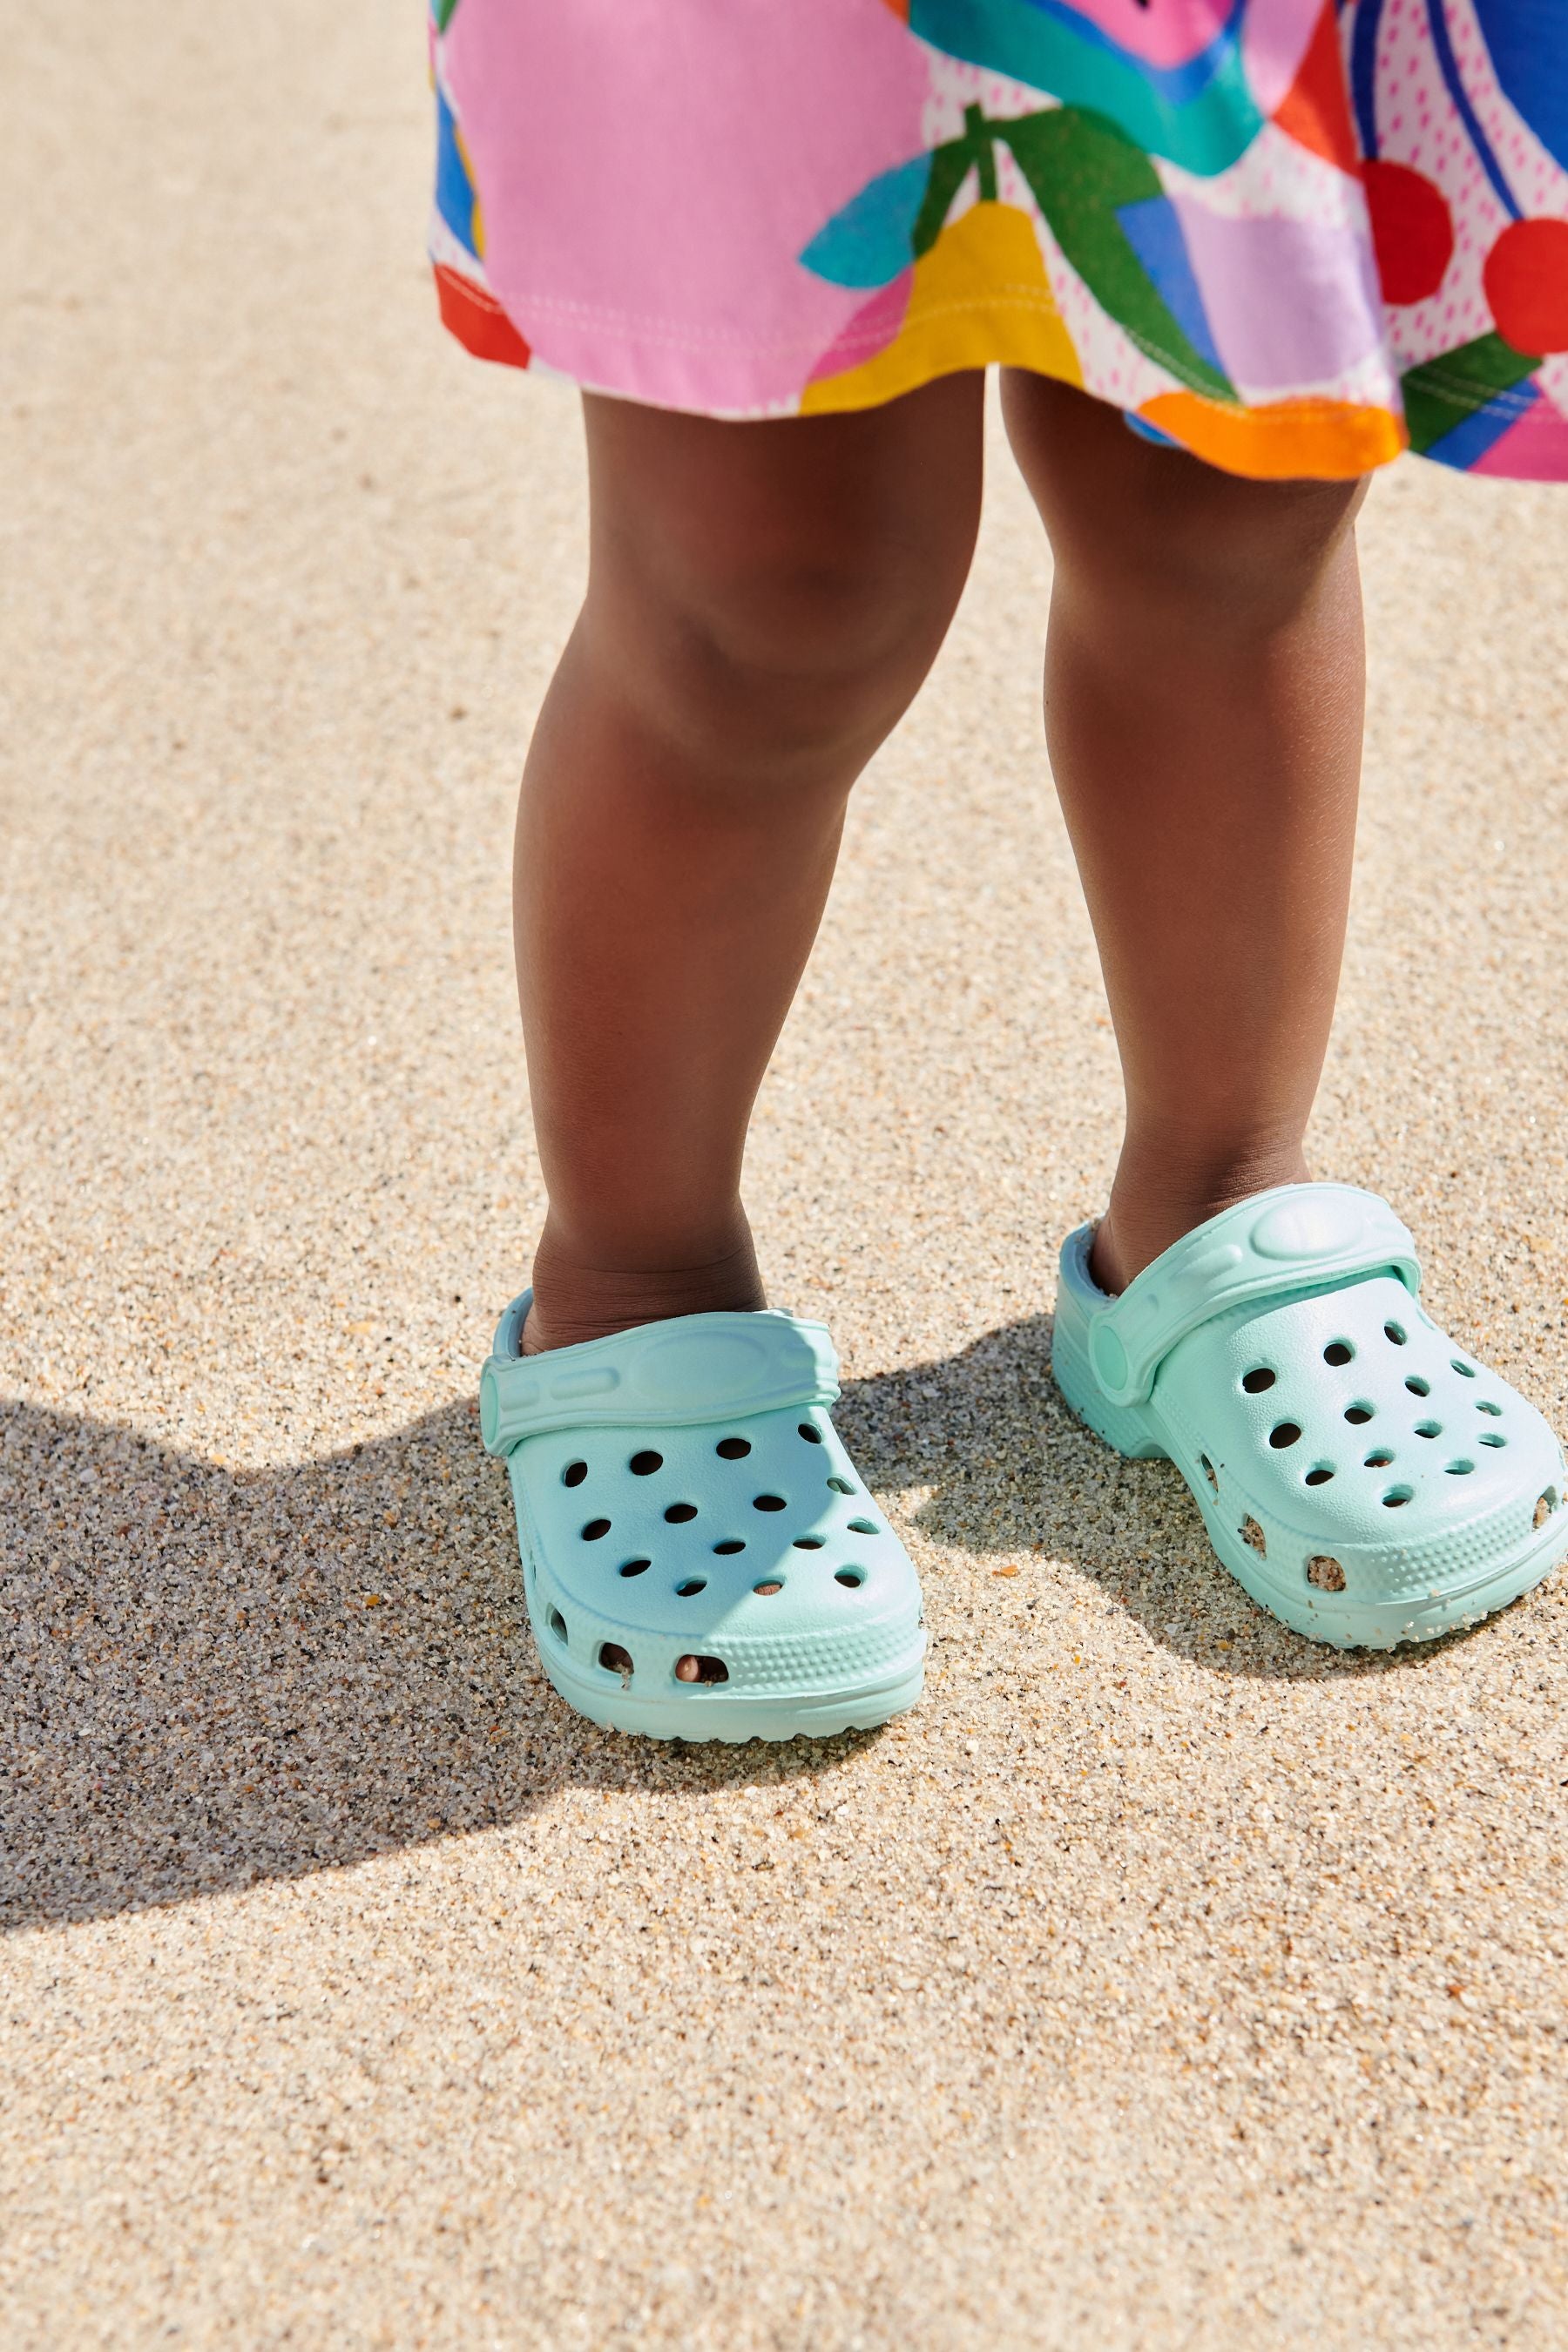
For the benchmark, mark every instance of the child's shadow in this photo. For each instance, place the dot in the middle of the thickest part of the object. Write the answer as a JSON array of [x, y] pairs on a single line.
[[210, 1677]]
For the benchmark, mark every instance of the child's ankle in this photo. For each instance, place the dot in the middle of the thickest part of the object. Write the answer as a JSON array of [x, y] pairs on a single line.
[[572, 1303], [1148, 1213]]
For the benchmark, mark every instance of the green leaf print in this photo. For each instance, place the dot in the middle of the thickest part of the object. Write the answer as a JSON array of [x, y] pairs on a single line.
[[1082, 172], [949, 166]]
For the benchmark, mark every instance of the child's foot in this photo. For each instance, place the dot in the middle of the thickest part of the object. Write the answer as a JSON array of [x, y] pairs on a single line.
[[1358, 1473], [699, 1559]]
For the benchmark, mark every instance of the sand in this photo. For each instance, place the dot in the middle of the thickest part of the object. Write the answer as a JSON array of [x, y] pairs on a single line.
[[1164, 1982]]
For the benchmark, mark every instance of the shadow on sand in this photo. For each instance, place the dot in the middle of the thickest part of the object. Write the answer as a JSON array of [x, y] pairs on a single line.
[[211, 1677]]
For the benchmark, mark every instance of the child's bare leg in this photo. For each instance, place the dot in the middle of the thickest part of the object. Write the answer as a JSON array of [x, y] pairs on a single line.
[[763, 601], [1204, 690]]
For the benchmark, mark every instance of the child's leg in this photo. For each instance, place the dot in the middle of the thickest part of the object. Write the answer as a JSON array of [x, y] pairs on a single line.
[[764, 600], [1203, 687]]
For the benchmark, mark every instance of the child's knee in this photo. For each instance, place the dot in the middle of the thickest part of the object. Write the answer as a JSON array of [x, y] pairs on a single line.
[[1155, 529], [1220, 545], [799, 642], [782, 588]]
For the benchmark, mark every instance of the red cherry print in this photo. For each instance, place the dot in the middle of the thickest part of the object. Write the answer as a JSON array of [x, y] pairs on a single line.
[[1526, 281], [1411, 229]]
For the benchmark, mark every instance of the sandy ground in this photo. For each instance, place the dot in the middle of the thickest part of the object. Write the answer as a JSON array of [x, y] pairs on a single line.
[[1164, 1982]]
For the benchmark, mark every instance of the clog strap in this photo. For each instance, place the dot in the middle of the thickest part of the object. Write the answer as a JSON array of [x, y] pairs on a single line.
[[669, 1375], [1295, 1237]]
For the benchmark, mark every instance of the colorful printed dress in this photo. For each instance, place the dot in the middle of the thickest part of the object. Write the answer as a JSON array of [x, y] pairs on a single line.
[[1291, 237]]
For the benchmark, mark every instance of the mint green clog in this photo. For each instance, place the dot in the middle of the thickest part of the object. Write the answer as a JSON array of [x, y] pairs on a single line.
[[1358, 1473], [681, 1493]]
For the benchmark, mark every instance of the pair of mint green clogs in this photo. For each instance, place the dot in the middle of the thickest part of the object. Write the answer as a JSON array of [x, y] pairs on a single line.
[[702, 1562]]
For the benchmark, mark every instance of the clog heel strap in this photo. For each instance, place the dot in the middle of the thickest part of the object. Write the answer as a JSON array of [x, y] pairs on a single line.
[[1295, 1235], [690, 1369]]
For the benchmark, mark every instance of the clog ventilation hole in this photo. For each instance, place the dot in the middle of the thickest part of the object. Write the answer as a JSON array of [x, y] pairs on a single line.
[[693, 1667], [1324, 1573]]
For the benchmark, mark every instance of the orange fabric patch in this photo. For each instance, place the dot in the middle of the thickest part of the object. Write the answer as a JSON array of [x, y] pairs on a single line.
[[1289, 440]]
